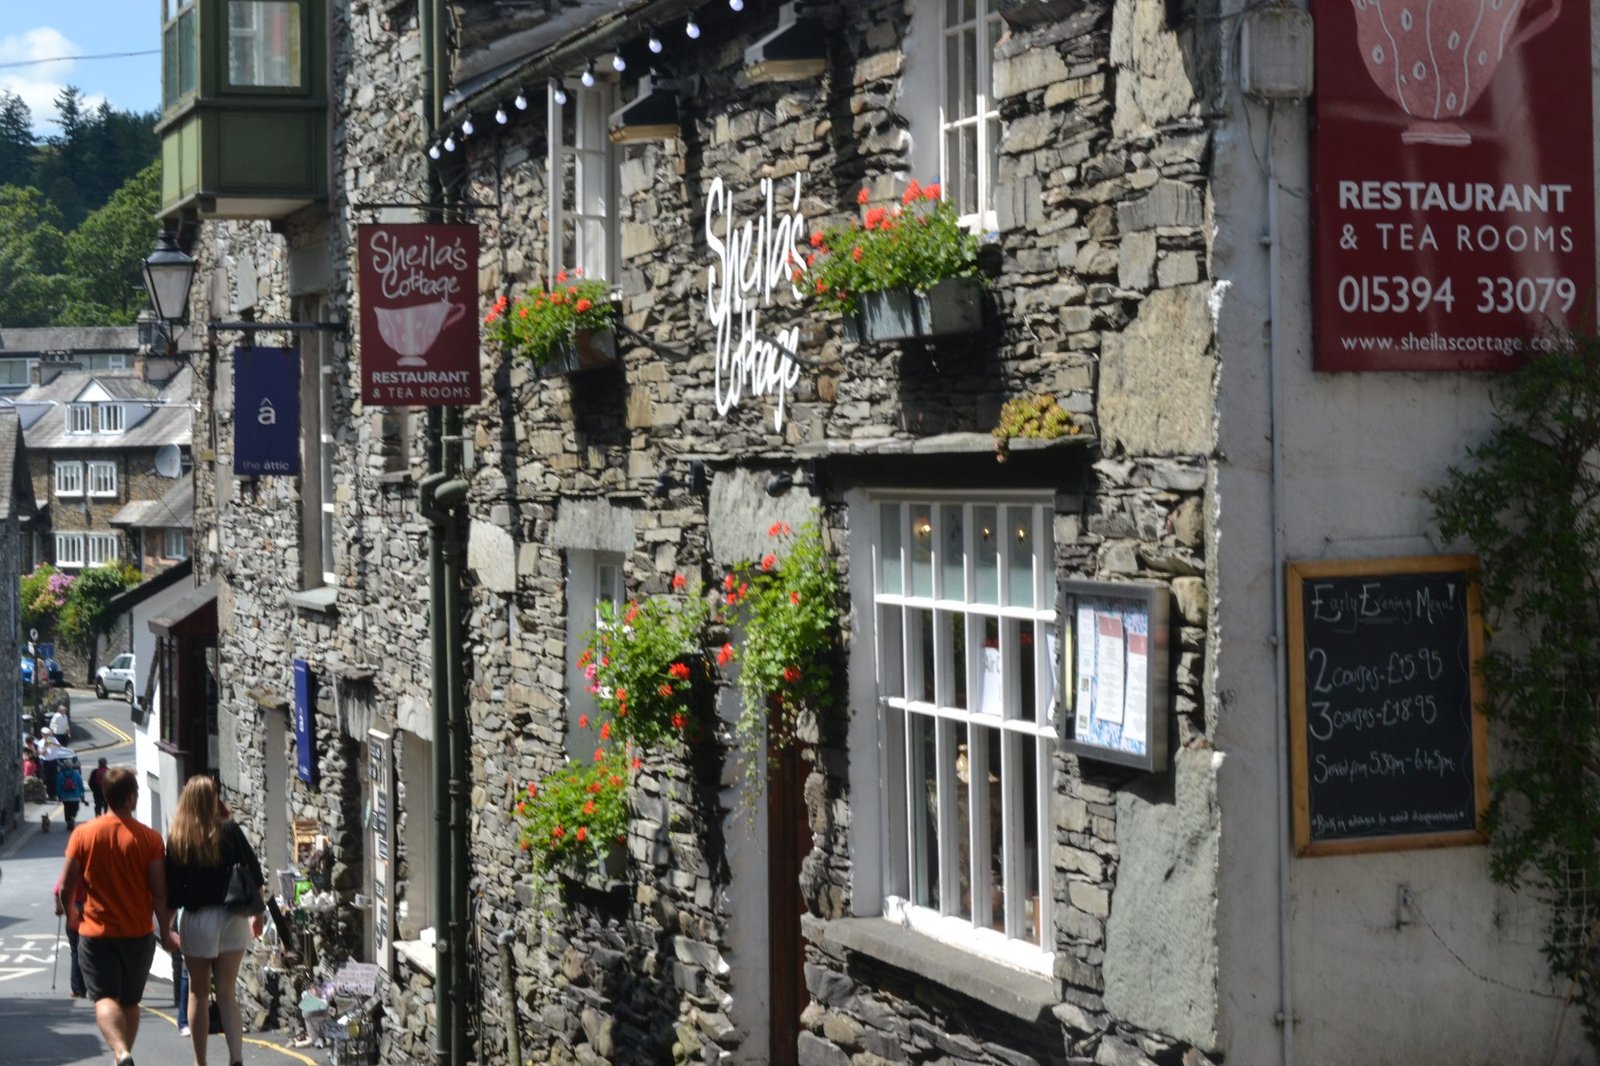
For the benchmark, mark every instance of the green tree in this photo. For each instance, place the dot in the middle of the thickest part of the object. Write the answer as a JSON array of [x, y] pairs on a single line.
[[16, 140], [44, 593], [32, 256], [104, 255], [86, 615]]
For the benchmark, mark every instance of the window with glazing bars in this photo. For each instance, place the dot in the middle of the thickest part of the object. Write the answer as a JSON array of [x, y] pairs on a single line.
[[965, 638]]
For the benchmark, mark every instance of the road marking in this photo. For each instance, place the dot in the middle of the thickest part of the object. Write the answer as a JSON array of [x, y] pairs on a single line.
[[124, 738], [252, 1041], [11, 973]]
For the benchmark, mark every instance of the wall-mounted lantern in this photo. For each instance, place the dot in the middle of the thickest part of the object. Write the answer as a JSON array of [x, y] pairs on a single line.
[[652, 115], [795, 51]]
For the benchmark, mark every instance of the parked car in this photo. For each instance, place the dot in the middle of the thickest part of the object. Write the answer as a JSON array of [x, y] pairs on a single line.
[[116, 676], [52, 671]]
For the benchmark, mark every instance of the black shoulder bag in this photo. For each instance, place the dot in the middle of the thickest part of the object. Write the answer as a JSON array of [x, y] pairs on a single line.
[[244, 888]]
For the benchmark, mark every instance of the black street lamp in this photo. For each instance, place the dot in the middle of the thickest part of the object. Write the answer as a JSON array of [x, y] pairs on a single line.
[[168, 275]]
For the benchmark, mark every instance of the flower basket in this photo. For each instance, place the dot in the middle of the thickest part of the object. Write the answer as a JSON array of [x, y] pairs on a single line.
[[951, 308], [585, 349]]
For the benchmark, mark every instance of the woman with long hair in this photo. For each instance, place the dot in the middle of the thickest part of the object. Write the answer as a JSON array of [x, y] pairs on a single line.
[[203, 845]]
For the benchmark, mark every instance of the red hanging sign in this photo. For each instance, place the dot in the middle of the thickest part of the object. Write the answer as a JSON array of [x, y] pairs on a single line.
[[419, 314], [1454, 181]]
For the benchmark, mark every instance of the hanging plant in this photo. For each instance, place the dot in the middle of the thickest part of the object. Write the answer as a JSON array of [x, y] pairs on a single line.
[[786, 605], [578, 815]]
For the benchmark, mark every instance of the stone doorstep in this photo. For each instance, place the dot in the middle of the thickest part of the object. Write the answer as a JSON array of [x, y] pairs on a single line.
[[1022, 995]]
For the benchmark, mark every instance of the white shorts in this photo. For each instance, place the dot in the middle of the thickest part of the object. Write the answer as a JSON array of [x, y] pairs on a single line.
[[206, 932]]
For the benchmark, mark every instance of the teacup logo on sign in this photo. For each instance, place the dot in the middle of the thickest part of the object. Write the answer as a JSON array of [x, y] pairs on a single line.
[[1435, 60], [419, 346], [751, 260]]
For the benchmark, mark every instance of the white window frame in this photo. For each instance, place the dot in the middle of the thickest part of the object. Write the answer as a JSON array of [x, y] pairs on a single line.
[[319, 545], [103, 548], [982, 116], [69, 551], [102, 479], [593, 578], [112, 418], [69, 478], [174, 543], [591, 212], [80, 418], [1025, 736]]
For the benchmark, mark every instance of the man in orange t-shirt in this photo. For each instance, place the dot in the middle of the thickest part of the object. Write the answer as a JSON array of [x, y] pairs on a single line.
[[121, 863]]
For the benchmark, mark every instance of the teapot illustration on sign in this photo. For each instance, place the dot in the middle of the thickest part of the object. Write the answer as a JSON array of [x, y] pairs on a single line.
[[411, 331], [1435, 58]]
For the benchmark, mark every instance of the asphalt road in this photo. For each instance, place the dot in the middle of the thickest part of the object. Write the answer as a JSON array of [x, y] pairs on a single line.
[[43, 1024]]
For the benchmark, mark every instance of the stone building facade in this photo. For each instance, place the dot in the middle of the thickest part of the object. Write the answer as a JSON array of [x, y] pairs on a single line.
[[1117, 222]]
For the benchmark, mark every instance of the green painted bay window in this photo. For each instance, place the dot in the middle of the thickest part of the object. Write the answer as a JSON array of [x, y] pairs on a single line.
[[264, 44], [180, 50]]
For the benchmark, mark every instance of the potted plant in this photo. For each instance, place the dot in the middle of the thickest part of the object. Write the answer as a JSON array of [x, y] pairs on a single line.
[[904, 272], [576, 819], [1036, 417], [560, 330]]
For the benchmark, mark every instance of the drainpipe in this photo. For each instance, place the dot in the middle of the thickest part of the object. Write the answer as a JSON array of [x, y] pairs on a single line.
[[452, 495]]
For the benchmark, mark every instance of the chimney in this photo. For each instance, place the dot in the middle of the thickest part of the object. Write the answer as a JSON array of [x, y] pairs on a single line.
[[51, 365]]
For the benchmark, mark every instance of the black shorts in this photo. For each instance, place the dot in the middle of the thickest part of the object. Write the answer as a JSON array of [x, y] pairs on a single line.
[[116, 967]]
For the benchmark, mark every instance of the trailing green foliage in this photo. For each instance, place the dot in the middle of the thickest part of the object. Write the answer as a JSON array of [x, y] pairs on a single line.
[[43, 593], [1527, 503]]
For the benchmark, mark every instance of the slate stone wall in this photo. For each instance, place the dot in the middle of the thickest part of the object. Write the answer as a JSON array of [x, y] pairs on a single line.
[[1100, 297]]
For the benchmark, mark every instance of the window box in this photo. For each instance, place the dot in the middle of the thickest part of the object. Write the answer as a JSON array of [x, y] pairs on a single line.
[[586, 349], [952, 308]]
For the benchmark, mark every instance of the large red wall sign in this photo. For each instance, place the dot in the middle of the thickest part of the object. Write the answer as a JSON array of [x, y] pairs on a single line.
[[1454, 181]]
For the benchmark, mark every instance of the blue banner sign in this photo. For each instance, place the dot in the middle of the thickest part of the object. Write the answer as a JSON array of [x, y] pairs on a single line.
[[305, 728], [266, 411]]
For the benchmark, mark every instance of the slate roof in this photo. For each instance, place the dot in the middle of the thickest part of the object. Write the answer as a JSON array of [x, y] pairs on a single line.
[[173, 510], [169, 422], [38, 341]]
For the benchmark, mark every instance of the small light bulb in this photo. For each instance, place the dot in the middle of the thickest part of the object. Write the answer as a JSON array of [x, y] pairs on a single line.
[[466, 126], [433, 151], [560, 94], [618, 64], [588, 76], [655, 44], [692, 28], [737, 5], [450, 142], [500, 115], [521, 101]]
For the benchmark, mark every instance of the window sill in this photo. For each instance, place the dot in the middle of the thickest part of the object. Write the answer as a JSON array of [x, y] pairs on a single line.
[[318, 599], [1028, 997], [420, 954]]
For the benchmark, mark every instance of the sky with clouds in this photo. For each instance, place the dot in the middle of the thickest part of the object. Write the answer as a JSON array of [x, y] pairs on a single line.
[[32, 30]]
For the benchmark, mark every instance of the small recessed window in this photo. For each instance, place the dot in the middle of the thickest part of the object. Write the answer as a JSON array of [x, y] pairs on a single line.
[[80, 418], [69, 479], [69, 550], [102, 548], [111, 418], [102, 479], [175, 544], [264, 44]]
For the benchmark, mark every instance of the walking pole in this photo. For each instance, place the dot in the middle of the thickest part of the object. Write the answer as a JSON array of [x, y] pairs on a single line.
[[56, 964]]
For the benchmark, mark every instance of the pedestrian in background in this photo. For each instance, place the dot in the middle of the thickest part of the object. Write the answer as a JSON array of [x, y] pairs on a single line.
[[120, 863], [69, 786], [97, 787], [203, 846], [74, 916], [61, 726]]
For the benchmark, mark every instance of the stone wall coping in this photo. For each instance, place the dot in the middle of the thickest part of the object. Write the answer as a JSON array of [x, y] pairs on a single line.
[[351, 671], [1022, 995], [420, 954], [267, 700], [322, 599], [939, 444]]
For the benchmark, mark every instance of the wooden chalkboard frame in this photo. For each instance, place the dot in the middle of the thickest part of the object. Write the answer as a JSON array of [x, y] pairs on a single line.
[[1297, 573]]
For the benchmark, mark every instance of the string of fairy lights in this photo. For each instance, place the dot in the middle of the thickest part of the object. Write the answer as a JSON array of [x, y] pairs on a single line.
[[454, 135]]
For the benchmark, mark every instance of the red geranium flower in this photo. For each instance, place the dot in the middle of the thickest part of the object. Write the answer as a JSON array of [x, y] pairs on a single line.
[[724, 656], [791, 674], [677, 721], [665, 689], [583, 721], [794, 598], [588, 808], [582, 305], [768, 561], [864, 195], [583, 832], [605, 731], [679, 671], [678, 581]]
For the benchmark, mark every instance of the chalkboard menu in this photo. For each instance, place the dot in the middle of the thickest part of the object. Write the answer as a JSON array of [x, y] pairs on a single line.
[[1389, 742]]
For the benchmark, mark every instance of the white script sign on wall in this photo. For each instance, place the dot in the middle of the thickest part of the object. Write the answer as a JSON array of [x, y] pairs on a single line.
[[752, 259]]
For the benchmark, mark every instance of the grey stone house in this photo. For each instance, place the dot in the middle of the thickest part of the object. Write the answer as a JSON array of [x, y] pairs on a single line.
[[881, 904], [17, 503]]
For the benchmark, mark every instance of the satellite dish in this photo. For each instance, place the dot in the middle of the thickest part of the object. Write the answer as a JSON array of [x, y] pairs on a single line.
[[169, 460]]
